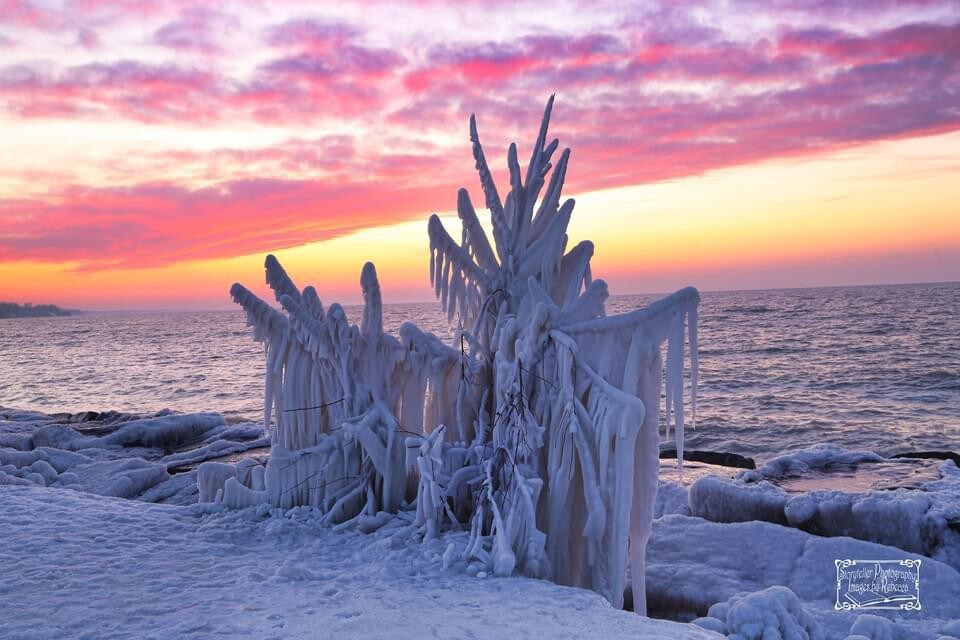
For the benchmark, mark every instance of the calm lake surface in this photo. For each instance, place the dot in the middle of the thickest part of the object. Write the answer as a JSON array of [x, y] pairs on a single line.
[[866, 367]]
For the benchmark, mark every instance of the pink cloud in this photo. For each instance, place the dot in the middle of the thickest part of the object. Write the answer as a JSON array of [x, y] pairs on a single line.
[[128, 89], [197, 29], [24, 13], [156, 224], [87, 38], [312, 35], [656, 95]]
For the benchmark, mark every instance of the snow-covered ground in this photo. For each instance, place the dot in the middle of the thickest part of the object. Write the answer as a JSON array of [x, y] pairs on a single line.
[[77, 565]]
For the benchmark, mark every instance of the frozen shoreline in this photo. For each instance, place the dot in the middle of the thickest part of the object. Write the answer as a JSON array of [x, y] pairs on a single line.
[[201, 570]]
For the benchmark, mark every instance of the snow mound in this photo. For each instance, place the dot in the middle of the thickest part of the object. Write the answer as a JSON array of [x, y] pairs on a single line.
[[772, 614]]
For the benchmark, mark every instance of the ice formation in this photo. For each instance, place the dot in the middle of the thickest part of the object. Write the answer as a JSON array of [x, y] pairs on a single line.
[[147, 458], [537, 431], [695, 564], [921, 520], [772, 614]]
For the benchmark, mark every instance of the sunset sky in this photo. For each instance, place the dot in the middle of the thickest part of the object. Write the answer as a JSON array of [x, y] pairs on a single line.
[[151, 153]]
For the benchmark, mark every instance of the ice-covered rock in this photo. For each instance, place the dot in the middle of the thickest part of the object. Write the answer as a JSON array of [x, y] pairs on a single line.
[[180, 489], [19, 441], [728, 500], [164, 432], [120, 478], [672, 498], [43, 468], [120, 454], [695, 563], [17, 458], [13, 479], [818, 457], [216, 449], [923, 520], [952, 628]]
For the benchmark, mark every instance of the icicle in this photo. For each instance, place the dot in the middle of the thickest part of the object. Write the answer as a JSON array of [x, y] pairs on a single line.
[[372, 326], [474, 233], [675, 383], [692, 320], [551, 199], [278, 279]]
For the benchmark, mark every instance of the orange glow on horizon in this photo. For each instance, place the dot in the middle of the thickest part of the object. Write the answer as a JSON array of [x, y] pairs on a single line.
[[864, 205]]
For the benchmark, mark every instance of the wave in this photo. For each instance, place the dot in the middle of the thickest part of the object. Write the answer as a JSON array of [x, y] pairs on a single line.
[[749, 309]]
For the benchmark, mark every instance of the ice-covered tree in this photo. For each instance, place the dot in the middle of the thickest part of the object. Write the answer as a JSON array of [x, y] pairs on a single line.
[[537, 430]]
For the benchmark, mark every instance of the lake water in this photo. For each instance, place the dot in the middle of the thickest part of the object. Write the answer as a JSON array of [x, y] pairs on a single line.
[[866, 367]]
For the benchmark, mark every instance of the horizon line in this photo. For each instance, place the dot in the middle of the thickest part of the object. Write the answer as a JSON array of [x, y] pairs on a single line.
[[612, 295]]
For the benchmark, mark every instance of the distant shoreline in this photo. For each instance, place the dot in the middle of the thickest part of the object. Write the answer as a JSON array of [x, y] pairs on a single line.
[[28, 310]]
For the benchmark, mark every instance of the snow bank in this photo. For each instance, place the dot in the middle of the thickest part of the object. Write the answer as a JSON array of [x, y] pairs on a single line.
[[202, 572]]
